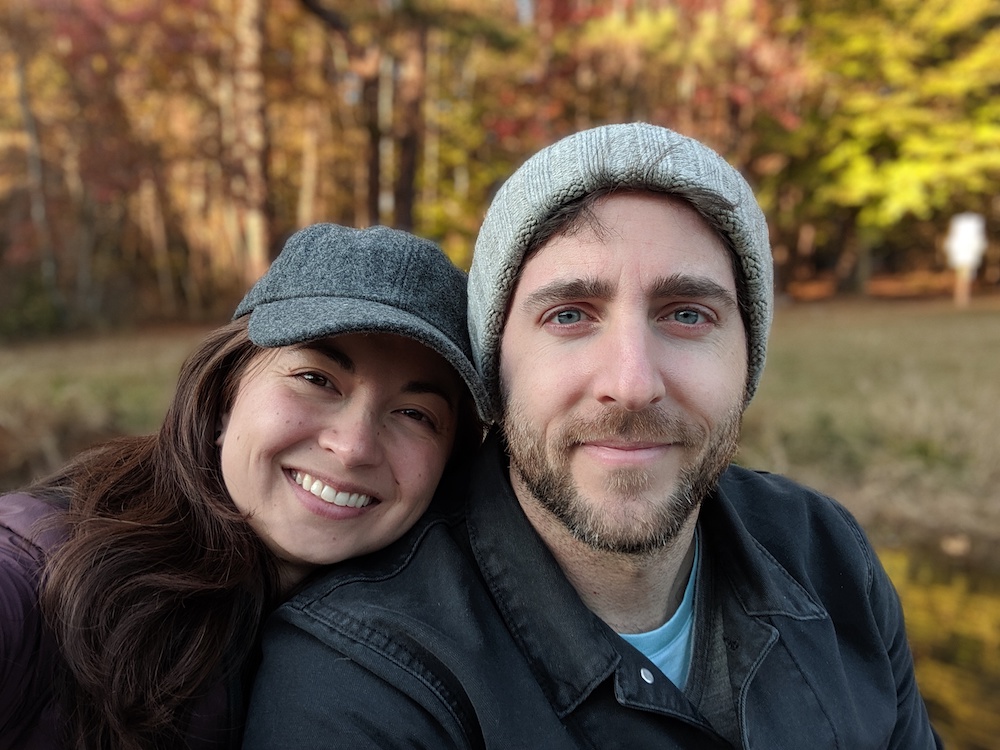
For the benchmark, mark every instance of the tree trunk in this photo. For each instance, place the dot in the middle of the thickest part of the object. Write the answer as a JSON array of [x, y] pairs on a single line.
[[369, 114], [312, 126], [250, 145], [853, 269], [36, 189], [305, 212], [385, 178], [412, 92], [155, 229], [85, 305]]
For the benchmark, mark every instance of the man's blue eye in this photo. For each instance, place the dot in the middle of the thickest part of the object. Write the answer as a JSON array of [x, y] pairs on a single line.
[[567, 317], [687, 316]]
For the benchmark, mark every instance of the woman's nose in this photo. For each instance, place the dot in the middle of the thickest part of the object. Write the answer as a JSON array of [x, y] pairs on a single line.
[[355, 434]]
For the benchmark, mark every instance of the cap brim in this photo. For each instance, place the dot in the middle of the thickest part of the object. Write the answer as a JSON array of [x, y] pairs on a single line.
[[292, 321]]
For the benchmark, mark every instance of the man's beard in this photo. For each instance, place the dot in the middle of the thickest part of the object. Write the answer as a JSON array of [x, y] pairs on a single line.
[[647, 525]]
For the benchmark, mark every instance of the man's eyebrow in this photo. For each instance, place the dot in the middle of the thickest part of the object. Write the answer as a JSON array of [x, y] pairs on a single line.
[[693, 287], [328, 350], [563, 290], [674, 286]]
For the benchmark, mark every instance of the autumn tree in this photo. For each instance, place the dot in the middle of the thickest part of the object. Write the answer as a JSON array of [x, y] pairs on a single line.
[[156, 155], [902, 129]]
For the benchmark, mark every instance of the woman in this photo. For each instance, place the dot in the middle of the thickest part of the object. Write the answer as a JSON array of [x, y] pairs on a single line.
[[313, 428]]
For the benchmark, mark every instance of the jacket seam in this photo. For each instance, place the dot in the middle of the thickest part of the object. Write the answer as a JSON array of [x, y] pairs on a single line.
[[308, 598], [863, 547], [399, 655], [812, 689]]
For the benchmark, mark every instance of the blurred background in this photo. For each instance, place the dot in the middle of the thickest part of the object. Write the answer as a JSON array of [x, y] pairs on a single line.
[[155, 154]]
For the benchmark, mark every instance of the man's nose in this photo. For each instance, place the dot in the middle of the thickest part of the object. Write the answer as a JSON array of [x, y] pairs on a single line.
[[629, 373]]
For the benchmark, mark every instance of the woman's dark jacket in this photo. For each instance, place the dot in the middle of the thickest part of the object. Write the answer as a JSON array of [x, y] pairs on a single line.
[[29, 657]]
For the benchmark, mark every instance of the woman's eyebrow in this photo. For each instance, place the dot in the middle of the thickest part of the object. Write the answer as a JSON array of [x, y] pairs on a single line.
[[427, 386], [328, 350]]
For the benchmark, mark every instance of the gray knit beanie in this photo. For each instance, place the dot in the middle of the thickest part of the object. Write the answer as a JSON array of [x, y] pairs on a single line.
[[636, 156], [330, 280]]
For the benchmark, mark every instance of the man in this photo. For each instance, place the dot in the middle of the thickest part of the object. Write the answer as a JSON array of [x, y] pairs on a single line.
[[608, 579]]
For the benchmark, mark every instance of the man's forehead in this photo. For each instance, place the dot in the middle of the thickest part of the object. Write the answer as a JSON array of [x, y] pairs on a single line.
[[654, 236]]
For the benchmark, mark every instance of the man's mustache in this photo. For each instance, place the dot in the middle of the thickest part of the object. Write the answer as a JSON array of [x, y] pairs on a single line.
[[652, 425]]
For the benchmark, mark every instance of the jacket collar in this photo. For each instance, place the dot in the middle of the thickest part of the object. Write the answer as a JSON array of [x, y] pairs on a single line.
[[759, 582], [568, 647]]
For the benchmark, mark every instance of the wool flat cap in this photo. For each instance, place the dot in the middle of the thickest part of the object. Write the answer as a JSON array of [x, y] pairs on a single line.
[[330, 280]]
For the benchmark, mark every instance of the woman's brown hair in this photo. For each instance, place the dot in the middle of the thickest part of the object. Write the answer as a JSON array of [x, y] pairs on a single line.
[[160, 588], [158, 591]]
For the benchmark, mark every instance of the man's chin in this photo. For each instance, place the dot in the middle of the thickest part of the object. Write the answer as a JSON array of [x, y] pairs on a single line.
[[633, 486], [631, 538], [629, 522]]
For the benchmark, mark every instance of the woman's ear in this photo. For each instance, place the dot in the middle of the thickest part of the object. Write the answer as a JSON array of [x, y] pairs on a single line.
[[220, 429]]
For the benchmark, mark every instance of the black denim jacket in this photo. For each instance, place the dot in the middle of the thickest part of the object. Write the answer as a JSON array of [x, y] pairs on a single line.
[[466, 634]]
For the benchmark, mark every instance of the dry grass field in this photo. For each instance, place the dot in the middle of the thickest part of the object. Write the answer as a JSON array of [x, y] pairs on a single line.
[[889, 406], [61, 395]]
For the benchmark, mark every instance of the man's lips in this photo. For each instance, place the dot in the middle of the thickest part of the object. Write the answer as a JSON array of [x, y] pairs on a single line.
[[627, 445], [625, 452]]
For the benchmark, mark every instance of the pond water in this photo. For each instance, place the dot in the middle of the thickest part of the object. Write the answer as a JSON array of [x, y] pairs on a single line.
[[951, 600]]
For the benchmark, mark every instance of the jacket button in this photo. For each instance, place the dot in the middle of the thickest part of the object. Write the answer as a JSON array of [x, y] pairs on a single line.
[[646, 675]]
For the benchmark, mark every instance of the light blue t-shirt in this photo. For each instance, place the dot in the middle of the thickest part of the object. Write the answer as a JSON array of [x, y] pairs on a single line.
[[669, 646]]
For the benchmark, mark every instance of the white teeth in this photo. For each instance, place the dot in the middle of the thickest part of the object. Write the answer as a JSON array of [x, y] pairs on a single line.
[[329, 494]]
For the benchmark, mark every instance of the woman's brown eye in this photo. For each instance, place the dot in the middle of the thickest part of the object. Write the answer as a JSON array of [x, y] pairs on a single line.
[[315, 378], [415, 414]]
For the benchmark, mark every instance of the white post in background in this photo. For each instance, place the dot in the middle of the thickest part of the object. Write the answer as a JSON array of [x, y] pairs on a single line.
[[965, 245]]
